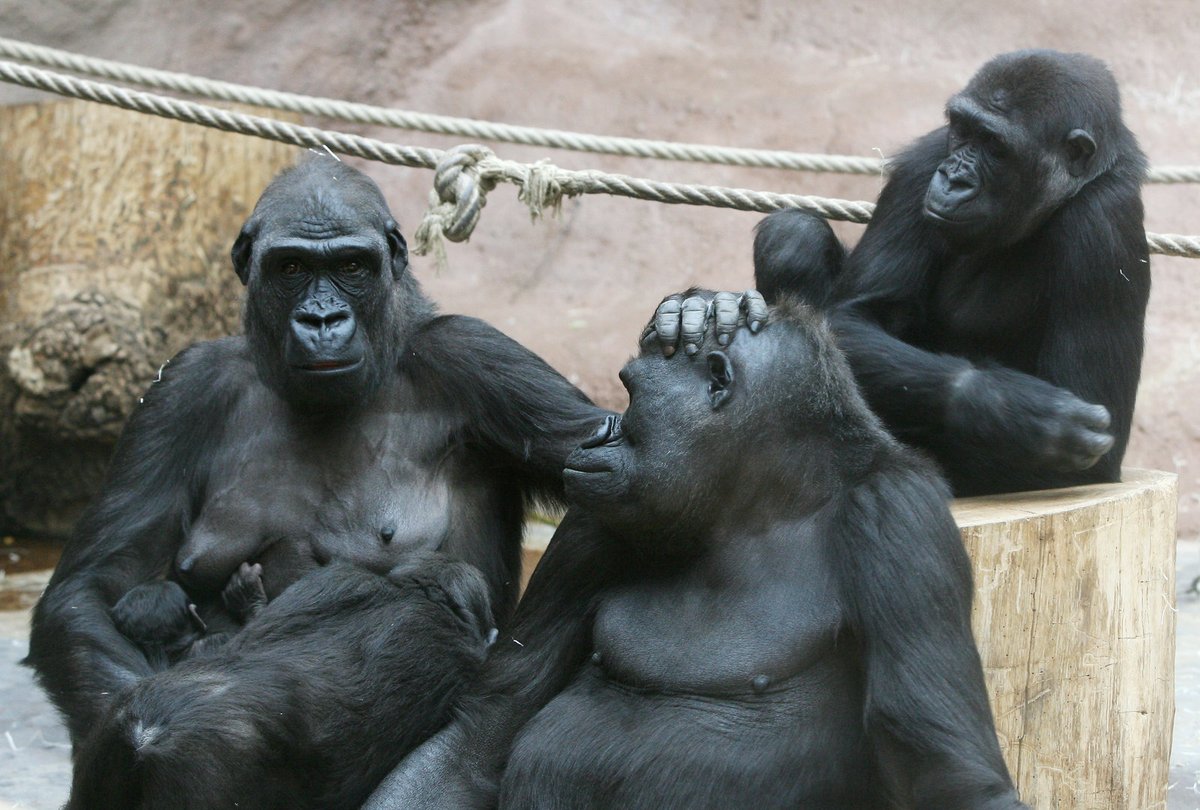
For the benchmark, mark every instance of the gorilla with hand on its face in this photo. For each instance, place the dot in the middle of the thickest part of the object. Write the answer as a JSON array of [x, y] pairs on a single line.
[[993, 310], [351, 422], [757, 598]]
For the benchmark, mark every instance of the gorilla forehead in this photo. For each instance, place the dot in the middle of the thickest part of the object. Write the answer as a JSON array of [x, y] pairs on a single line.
[[320, 199], [1046, 82]]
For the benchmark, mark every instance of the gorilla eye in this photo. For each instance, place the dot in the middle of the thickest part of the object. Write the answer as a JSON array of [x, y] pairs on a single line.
[[352, 268], [290, 268]]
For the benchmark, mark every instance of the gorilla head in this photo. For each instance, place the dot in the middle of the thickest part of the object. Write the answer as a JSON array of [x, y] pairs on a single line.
[[757, 412], [1025, 135], [324, 266]]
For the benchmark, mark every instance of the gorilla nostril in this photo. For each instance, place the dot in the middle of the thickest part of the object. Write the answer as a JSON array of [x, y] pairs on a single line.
[[308, 319]]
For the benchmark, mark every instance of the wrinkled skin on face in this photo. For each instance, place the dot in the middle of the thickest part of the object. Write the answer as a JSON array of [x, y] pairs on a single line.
[[636, 475], [1017, 148], [321, 258]]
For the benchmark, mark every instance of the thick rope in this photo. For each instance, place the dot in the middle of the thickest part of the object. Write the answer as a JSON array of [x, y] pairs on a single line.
[[441, 124], [469, 127], [469, 172]]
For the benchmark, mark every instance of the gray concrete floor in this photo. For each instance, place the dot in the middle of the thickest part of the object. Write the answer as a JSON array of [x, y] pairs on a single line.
[[35, 764], [1185, 748]]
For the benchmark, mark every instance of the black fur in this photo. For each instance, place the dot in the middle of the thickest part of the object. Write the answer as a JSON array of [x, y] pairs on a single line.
[[757, 598], [352, 422], [307, 707], [993, 310]]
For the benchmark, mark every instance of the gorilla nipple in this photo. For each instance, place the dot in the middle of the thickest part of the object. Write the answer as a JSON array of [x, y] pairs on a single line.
[[387, 533], [760, 683]]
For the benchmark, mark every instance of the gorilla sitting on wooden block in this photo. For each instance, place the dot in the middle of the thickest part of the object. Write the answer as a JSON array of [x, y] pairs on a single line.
[[758, 598], [993, 310]]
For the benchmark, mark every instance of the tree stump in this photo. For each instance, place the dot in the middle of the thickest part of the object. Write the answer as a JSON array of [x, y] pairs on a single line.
[[1075, 620], [115, 231], [1074, 616]]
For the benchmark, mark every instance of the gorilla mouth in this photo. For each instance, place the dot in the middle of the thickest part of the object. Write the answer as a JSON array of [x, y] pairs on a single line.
[[939, 218], [326, 366], [580, 463]]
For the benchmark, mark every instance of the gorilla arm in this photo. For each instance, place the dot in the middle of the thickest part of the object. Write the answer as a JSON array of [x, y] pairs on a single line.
[[907, 581], [459, 768], [129, 535], [515, 404], [1095, 349]]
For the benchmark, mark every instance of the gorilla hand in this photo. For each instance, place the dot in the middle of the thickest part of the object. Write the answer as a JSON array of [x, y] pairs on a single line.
[[244, 595], [687, 317], [1060, 428]]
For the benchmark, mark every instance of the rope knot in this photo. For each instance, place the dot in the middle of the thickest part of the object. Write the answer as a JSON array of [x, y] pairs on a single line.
[[460, 185], [542, 188]]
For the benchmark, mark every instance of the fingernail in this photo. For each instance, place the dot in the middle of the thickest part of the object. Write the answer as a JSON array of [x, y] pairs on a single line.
[[667, 352], [723, 340], [754, 326], [690, 349]]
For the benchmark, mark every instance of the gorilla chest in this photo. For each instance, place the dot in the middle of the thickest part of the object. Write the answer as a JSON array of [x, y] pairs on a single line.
[[294, 499], [986, 308], [699, 638]]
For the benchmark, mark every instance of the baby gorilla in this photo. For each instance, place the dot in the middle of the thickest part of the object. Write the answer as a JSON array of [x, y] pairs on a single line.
[[757, 599], [308, 706], [161, 619]]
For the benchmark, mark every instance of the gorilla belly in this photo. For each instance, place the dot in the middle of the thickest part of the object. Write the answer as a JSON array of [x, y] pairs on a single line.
[[600, 744]]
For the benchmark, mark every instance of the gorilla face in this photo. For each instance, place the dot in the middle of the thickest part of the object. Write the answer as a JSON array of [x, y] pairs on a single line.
[[635, 472], [708, 439], [320, 257], [1017, 147]]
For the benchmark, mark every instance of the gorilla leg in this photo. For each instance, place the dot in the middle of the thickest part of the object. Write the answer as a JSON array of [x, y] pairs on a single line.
[[797, 253]]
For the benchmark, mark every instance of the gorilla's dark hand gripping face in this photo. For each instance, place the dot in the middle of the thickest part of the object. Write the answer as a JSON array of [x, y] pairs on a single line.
[[1020, 125], [321, 256]]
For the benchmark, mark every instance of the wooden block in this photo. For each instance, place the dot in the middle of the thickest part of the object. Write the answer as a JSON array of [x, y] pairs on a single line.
[[1075, 621]]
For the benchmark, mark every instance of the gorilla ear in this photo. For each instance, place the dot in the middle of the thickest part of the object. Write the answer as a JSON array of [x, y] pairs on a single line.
[[399, 250], [1080, 148], [242, 247], [720, 379]]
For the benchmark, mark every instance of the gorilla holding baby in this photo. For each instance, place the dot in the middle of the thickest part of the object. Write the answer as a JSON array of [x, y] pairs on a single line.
[[993, 310], [758, 598], [351, 422], [325, 689]]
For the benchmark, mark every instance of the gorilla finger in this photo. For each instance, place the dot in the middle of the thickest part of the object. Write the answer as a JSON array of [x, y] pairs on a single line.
[[727, 313], [1095, 417], [1085, 450], [692, 320], [1097, 444], [755, 307], [666, 325]]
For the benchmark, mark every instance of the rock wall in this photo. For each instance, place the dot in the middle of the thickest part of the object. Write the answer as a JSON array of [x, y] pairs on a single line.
[[825, 76]]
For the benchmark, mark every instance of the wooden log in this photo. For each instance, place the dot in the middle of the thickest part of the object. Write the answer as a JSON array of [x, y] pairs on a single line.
[[115, 231], [1075, 620]]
